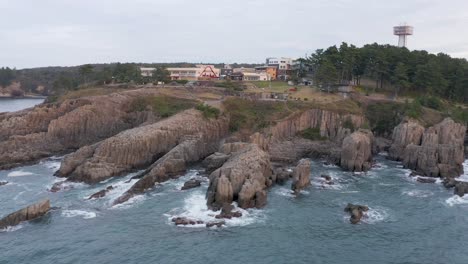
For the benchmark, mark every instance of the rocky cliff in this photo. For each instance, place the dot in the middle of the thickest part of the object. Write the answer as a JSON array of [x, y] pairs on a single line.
[[243, 178], [437, 151], [356, 153], [139, 147], [285, 146], [49, 129]]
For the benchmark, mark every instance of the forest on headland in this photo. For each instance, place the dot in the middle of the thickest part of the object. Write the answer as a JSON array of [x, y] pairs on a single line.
[[385, 68]]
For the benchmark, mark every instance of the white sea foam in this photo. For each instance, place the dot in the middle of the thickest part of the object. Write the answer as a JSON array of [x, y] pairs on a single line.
[[283, 191], [130, 203], [456, 200], [75, 213], [375, 215], [11, 228], [195, 208], [383, 154], [418, 193], [19, 173]]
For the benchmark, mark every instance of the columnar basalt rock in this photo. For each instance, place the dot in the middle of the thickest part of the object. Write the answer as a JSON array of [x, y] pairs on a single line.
[[172, 164], [437, 151], [356, 154], [49, 129], [29, 213], [139, 147], [243, 178], [301, 175], [331, 125]]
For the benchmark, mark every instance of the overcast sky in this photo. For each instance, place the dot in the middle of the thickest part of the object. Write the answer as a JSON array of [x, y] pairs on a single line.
[[71, 32]]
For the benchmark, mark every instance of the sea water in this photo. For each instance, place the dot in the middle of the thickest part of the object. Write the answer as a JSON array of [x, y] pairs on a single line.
[[11, 105], [408, 222]]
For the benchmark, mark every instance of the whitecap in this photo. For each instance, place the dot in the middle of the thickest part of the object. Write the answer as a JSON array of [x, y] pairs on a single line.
[[383, 154], [19, 173], [11, 228], [372, 216], [130, 203], [375, 215], [74, 213], [283, 191], [195, 208], [53, 165], [456, 200], [418, 193]]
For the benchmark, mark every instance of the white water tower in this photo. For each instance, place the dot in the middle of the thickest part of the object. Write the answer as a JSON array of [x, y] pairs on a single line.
[[402, 32]]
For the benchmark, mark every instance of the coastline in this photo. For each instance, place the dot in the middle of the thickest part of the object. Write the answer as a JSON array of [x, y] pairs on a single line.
[[4, 96]]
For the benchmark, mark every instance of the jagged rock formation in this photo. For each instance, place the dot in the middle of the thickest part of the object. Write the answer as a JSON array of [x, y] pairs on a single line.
[[437, 151], [284, 146], [356, 154], [185, 137], [49, 129], [301, 175], [243, 178], [331, 125], [190, 184], [29, 213], [407, 132], [214, 161]]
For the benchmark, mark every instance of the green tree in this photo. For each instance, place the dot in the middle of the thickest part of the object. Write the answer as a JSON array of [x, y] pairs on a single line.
[[400, 78], [326, 74], [85, 72], [161, 74], [7, 75]]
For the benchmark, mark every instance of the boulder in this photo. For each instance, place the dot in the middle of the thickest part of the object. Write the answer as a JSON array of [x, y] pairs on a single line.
[[326, 177], [356, 211], [215, 223], [101, 193], [190, 184], [301, 175], [214, 161], [60, 186], [356, 153], [226, 212], [29, 213], [242, 178], [461, 188], [186, 221], [426, 180], [282, 175]]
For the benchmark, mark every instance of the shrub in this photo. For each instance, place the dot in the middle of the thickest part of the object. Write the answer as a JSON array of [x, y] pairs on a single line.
[[208, 111], [312, 134], [348, 123], [430, 102], [161, 105]]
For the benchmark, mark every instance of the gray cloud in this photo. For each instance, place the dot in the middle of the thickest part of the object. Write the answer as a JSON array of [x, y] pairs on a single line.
[[63, 32]]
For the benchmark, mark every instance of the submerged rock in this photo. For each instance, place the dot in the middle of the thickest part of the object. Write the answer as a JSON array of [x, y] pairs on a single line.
[[186, 221], [426, 180], [356, 154], [301, 175], [60, 186], [226, 212], [3, 183], [216, 223], [101, 193], [192, 183], [461, 188], [356, 211], [29, 213]]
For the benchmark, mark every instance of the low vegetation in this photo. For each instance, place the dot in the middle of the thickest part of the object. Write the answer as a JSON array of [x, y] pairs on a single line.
[[163, 106], [230, 85], [208, 111], [312, 134], [246, 114]]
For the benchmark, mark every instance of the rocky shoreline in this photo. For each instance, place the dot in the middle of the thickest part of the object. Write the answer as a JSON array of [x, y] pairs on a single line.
[[106, 140]]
